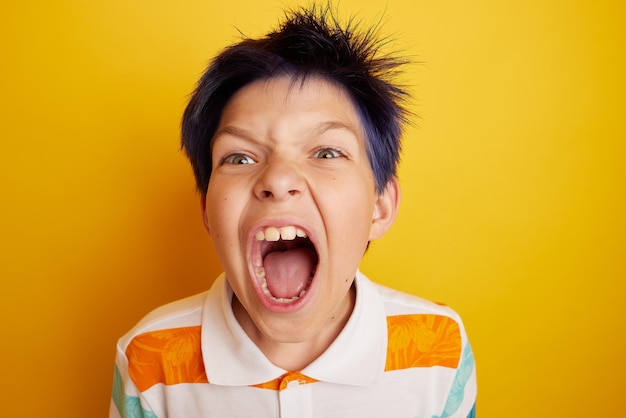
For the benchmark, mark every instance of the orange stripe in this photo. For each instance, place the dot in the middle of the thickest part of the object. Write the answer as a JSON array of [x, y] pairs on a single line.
[[170, 356], [281, 382], [422, 341]]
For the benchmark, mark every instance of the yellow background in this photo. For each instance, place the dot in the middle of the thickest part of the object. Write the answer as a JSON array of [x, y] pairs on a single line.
[[513, 178]]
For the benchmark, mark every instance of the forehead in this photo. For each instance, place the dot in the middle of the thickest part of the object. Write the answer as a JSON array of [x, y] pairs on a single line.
[[295, 102]]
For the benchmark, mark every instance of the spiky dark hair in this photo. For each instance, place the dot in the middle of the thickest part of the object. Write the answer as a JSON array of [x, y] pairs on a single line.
[[309, 42]]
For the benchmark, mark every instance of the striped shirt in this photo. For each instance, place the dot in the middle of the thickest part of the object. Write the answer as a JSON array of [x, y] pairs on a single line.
[[397, 356]]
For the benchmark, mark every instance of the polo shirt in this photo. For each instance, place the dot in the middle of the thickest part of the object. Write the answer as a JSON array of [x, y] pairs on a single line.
[[397, 356]]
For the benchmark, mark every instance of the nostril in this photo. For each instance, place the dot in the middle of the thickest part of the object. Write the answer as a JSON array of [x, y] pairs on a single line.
[[266, 194]]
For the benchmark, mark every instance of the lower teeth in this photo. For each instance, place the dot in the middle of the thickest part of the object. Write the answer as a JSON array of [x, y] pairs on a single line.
[[285, 300], [267, 293]]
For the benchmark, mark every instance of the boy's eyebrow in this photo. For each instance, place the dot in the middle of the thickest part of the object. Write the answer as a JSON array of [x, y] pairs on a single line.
[[234, 131], [322, 127], [316, 129]]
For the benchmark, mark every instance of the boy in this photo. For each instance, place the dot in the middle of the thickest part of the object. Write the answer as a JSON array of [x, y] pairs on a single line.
[[294, 140]]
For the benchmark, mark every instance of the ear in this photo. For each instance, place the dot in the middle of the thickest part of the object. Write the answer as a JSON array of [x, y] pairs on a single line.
[[205, 218], [385, 209]]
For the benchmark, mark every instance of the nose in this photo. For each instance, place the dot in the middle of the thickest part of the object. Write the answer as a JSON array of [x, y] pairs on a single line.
[[280, 179]]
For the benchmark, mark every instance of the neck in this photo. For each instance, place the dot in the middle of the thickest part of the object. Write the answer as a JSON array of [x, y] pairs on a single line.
[[297, 353]]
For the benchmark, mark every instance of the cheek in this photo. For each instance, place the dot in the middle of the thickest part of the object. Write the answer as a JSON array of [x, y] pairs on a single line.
[[219, 212], [359, 199], [351, 215]]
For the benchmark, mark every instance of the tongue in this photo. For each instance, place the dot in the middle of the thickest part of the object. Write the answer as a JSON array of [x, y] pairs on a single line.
[[288, 272]]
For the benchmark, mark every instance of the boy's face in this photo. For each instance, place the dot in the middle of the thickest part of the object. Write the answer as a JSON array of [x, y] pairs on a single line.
[[291, 206]]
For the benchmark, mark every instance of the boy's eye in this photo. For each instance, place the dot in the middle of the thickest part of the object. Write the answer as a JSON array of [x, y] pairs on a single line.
[[328, 153], [238, 159]]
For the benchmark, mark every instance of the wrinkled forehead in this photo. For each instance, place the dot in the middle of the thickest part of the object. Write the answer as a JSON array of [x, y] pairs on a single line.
[[283, 107], [299, 83]]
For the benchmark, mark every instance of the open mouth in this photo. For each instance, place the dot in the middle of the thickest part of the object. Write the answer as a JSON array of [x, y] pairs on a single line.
[[285, 261]]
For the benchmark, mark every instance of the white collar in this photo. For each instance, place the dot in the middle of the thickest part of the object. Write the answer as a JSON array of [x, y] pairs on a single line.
[[356, 357]]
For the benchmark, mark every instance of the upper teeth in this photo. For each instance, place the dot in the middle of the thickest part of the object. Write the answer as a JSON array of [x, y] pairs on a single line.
[[287, 233]]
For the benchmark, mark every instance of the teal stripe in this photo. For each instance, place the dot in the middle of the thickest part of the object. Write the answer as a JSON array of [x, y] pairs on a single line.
[[463, 373], [127, 406], [118, 391], [134, 409], [472, 413]]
